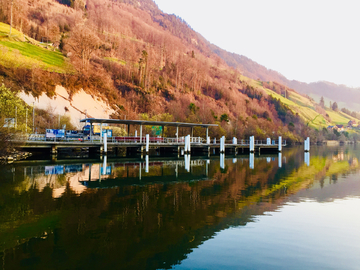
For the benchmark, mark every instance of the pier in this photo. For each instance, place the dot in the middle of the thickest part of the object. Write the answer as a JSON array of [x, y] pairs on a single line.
[[140, 143]]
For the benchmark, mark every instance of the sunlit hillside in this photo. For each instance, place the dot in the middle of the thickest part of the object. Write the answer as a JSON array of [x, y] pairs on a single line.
[[149, 65]]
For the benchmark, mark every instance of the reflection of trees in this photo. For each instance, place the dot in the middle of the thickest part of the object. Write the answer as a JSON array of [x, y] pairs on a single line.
[[150, 226]]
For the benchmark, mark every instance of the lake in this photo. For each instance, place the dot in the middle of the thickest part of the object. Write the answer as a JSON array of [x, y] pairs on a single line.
[[292, 210]]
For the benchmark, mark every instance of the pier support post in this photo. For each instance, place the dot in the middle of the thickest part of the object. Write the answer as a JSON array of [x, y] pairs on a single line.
[[140, 133], [280, 143], [105, 143], [307, 145], [252, 144], [147, 143], [234, 140], [189, 144], [222, 144], [53, 150], [177, 134]]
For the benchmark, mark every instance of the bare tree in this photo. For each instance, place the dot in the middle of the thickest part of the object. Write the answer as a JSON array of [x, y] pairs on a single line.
[[11, 15], [83, 43]]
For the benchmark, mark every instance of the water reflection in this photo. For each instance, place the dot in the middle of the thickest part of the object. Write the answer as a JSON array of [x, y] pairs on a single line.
[[307, 158], [252, 162], [149, 213]]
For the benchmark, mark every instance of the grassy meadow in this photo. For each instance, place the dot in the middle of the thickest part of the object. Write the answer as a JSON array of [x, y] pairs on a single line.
[[19, 50]]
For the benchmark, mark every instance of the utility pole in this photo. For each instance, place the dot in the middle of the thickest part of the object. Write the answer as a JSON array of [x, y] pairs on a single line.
[[15, 117], [26, 121], [11, 15], [33, 118]]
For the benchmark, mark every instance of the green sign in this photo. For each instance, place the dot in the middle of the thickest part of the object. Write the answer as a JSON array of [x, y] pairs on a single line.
[[156, 130]]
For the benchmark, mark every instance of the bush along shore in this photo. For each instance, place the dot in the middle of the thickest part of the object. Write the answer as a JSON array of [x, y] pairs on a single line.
[[14, 156]]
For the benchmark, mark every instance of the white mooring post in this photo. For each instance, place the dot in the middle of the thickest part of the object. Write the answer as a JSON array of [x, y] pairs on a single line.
[[188, 144], [135, 133], [105, 143], [280, 143], [252, 144], [234, 140], [147, 143], [268, 141], [208, 140], [222, 144], [185, 146], [307, 144]]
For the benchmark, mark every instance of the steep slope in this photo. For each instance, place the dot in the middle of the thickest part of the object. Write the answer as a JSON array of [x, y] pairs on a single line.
[[150, 65]]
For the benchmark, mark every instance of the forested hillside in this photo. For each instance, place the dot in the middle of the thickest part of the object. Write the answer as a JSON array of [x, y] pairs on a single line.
[[145, 64]]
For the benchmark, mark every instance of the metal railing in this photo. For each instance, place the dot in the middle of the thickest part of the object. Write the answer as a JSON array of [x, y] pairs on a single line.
[[136, 140]]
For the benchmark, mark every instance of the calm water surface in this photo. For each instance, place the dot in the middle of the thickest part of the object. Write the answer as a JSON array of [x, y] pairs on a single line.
[[287, 211]]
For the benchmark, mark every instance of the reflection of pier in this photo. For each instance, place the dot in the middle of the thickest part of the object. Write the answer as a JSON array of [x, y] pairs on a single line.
[[90, 173]]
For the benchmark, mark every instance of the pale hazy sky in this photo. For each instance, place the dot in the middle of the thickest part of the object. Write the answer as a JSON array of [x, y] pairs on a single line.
[[303, 40]]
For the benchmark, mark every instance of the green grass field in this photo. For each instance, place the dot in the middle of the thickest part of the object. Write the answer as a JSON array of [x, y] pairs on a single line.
[[17, 53]]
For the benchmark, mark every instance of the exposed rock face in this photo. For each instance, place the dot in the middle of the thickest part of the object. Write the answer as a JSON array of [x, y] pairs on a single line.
[[81, 103]]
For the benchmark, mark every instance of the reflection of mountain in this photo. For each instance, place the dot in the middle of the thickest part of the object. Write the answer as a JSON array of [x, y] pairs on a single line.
[[331, 188], [148, 226]]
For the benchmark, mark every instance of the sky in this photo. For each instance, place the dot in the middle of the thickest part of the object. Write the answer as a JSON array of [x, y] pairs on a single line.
[[304, 40]]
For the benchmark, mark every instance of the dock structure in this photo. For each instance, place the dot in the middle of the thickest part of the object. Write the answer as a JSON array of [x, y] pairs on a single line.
[[142, 143]]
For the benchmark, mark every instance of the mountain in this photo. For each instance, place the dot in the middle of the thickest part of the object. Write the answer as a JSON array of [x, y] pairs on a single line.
[[345, 96], [146, 64]]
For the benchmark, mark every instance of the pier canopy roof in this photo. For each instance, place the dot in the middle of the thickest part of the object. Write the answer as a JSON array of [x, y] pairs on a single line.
[[144, 123]]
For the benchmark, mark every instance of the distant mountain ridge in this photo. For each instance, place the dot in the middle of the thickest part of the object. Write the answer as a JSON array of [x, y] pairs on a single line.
[[345, 96]]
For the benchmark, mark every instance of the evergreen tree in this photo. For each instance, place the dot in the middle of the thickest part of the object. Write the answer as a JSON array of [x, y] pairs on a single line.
[[335, 106]]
